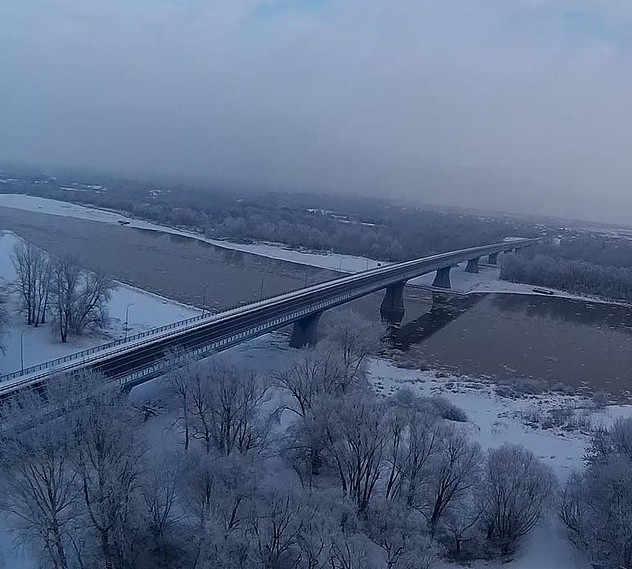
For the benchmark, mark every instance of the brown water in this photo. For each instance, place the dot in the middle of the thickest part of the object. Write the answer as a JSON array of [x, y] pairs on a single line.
[[505, 335], [170, 265], [498, 336]]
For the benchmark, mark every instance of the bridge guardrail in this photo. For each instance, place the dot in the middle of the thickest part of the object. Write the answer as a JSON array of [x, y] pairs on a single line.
[[131, 339], [121, 342]]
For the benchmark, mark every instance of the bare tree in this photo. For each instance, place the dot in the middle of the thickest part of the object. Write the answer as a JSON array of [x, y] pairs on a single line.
[[181, 386], [225, 407], [354, 339], [108, 463], [4, 321], [158, 505], [596, 505], [218, 494], [454, 472], [317, 371], [353, 552], [79, 297], [33, 281], [40, 489], [460, 519], [357, 440], [516, 490], [275, 526], [415, 436]]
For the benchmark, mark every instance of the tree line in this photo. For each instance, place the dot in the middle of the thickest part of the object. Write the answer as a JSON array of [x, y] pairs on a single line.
[[76, 298], [354, 225], [547, 266], [304, 467]]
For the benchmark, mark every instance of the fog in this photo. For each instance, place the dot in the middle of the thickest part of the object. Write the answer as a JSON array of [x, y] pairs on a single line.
[[519, 106]]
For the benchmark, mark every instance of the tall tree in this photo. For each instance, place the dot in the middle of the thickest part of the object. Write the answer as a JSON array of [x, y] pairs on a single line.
[[33, 282]]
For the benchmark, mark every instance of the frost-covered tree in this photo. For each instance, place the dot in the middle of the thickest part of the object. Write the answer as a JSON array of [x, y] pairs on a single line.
[[414, 438], [225, 407], [596, 505], [79, 297], [40, 491], [353, 338], [4, 322], [455, 470], [33, 284], [517, 489], [357, 440], [398, 532], [275, 526], [108, 461], [317, 371]]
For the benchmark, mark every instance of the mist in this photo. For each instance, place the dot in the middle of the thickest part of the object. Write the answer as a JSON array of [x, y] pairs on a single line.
[[518, 106]]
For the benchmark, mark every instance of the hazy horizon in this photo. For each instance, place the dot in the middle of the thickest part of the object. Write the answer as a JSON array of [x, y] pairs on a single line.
[[518, 107]]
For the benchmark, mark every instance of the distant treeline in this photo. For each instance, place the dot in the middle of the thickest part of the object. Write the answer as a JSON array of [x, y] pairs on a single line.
[[343, 224], [587, 265]]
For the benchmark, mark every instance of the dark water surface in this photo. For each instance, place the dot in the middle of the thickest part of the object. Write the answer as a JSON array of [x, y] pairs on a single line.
[[510, 335], [495, 335], [170, 265]]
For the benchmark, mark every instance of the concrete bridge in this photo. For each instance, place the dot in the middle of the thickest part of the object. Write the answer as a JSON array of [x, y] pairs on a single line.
[[151, 354]]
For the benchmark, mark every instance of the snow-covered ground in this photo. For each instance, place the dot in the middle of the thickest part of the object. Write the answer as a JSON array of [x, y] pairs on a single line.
[[493, 419], [37, 345], [332, 261]]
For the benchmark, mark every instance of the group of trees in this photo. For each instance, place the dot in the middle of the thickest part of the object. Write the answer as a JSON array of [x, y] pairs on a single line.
[[597, 503], [76, 297], [306, 468], [347, 224], [586, 265]]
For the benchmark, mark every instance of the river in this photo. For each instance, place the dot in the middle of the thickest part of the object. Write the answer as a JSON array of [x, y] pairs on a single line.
[[496, 336]]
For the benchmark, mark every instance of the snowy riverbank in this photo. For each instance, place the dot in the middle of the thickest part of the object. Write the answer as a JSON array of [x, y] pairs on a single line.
[[487, 280], [30, 346]]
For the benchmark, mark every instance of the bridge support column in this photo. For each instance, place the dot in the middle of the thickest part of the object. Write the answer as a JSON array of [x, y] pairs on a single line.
[[305, 332], [392, 308], [472, 265], [493, 259], [442, 280]]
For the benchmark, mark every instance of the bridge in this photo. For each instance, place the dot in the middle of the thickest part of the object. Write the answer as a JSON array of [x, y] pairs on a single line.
[[148, 355]]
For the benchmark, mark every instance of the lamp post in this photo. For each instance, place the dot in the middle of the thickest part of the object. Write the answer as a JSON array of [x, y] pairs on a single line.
[[127, 318], [261, 293], [204, 300], [22, 349]]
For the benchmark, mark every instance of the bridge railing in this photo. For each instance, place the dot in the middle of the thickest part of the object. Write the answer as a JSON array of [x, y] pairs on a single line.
[[154, 331], [51, 364], [101, 348]]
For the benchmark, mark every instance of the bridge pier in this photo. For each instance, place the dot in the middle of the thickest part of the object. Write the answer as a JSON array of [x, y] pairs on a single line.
[[493, 259], [442, 280], [392, 307], [472, 265], [305, 332]]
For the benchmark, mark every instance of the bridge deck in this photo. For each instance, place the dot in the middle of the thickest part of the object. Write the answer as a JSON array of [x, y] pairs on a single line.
[[152, 353]]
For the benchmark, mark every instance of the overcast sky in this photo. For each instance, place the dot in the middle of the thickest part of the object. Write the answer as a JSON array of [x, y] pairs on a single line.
[[519, 105]]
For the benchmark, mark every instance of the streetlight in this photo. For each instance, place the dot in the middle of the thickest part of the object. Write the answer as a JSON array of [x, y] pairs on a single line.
[[261, 293], [204, 300], [22, 349], [127, 318]]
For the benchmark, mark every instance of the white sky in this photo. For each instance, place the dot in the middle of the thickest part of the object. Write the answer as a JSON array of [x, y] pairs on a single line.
[[521, 105]]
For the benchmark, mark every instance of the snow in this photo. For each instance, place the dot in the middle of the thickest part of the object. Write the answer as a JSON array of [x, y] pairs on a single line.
[[493, 420], [38, 345], [324, 260]]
